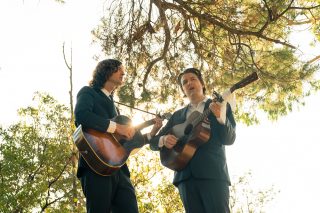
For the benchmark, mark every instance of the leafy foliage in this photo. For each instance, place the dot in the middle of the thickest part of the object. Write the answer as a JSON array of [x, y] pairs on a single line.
[[155, 192], [243, 198], [36, 168], [227, 40], [36, 160]]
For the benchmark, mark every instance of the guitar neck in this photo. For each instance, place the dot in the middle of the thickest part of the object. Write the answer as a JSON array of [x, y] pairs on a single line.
[[152, 121], [202, 117], [244, 82], [144, 124]]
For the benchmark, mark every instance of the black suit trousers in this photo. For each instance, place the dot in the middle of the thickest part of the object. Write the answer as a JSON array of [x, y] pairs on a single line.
[[108, 193], [204, 195]]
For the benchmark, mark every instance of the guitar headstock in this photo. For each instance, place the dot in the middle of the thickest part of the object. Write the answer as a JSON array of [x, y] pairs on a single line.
[[244, 82], [217, 97]]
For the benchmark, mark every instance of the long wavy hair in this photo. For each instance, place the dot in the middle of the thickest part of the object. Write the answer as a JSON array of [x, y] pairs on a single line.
[[103, 71]]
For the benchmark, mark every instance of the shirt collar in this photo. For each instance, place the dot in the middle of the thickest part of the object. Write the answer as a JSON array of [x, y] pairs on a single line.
[[197, 105], [106, 92]]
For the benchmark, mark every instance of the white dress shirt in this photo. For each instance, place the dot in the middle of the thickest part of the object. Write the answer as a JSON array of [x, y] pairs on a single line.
[[227, 97], [113, 125]]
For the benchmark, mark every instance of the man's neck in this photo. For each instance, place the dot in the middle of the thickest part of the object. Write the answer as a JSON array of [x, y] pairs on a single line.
[[196, 100], [109, 86]]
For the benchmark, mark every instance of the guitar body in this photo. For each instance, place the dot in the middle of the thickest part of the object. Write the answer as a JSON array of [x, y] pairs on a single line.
[[190, 139], [105, 152]]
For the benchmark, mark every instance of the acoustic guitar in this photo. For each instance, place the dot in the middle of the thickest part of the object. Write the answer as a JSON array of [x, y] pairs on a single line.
[[104, 152], [194, 132]]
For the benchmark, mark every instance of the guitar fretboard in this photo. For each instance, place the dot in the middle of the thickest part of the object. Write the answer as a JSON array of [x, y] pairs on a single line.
[[204, 115]]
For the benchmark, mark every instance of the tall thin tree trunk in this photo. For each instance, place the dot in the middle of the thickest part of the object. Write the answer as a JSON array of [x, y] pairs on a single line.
[[74, 159]]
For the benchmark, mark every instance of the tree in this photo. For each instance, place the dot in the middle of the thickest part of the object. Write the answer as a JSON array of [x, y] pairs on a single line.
[[75, 153], [243, 198], [226, 39], [35, 160], [155, 192], [36, 169]]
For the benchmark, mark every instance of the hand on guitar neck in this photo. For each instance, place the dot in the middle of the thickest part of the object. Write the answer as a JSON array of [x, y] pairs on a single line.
[[215, 108], [126, 131], [156, 126]]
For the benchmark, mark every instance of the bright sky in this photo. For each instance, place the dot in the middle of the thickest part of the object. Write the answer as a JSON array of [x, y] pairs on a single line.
[[283, 154]]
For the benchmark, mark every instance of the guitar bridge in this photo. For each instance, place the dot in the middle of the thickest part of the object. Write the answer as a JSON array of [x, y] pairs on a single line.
[[84, 152], [205, 125]]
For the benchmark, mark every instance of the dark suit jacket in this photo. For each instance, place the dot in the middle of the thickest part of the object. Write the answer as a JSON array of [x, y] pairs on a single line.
[[94, 110], [209, 161]]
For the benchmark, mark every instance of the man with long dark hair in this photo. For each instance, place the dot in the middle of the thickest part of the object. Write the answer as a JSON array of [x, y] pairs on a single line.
[[204, 182], [95, 109]]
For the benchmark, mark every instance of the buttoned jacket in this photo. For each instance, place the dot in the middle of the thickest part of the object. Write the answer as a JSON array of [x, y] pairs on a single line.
[[209, 161]]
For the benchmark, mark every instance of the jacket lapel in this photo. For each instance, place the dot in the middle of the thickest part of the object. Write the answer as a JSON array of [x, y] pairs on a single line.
[[109, 103], [206, 105]]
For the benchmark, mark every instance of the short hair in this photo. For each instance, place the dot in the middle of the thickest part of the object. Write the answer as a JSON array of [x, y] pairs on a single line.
[[103, 71], [194, 71]]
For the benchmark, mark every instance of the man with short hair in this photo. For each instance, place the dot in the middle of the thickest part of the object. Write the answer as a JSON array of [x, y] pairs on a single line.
[[204, 182]]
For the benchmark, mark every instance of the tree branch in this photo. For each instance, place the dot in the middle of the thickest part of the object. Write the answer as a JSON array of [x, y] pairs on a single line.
[[166, 43], [212, 20], [314, 59]]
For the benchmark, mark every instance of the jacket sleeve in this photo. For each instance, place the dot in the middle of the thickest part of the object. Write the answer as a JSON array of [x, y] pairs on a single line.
[[227, 132], [84, 111], [154, 141]]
